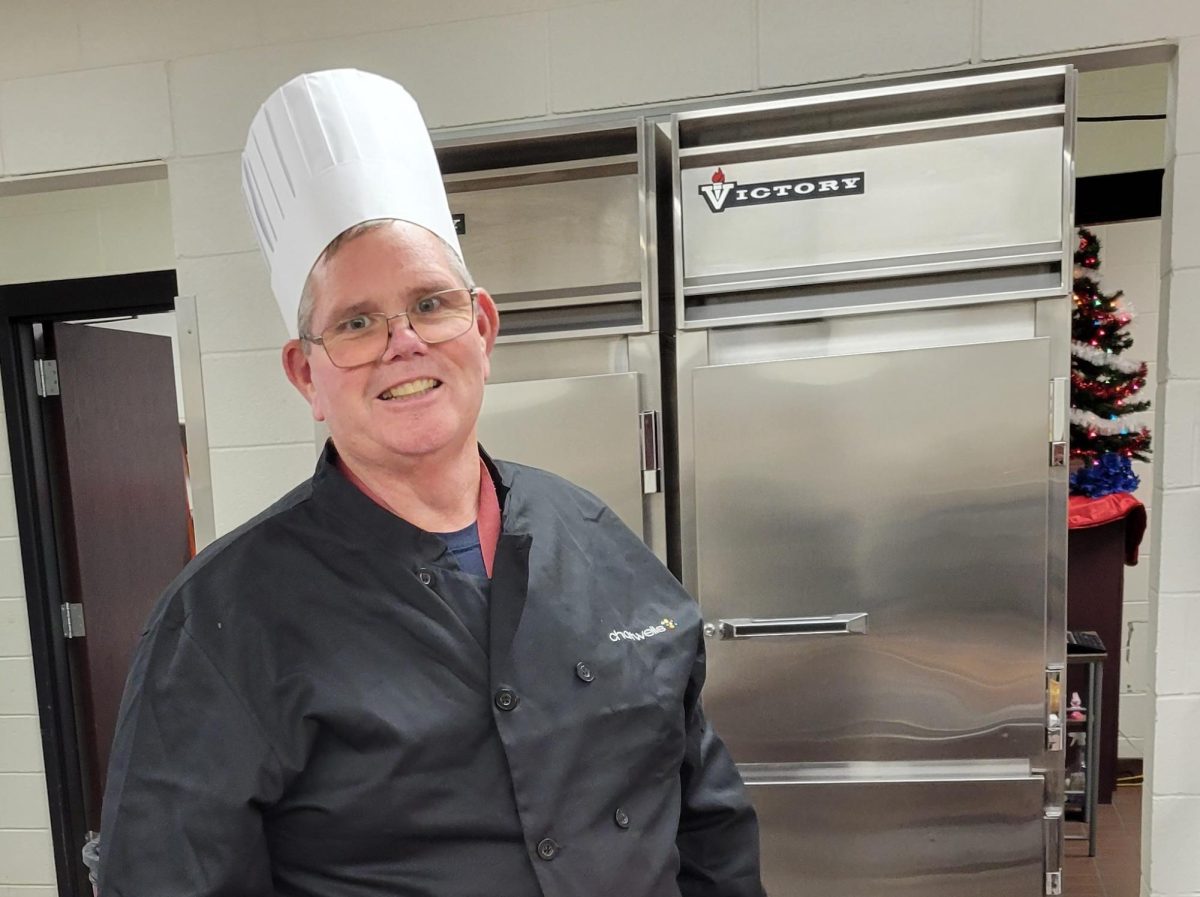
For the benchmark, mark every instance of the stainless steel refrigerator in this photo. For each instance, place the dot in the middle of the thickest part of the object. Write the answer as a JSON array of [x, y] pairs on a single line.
[[871, 298], [559, 224]]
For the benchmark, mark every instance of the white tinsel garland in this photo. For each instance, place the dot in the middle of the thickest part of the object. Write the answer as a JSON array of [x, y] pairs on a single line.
[[1104, 427], [1100, 358]]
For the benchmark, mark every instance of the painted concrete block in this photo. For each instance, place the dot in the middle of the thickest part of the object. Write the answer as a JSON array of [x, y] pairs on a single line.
[[82, 119], [1177, 664], [247, 480], [1178, 721], [24, 801], [1185, 211], [17, 694], [1179, 561], [12, 580], [642, 51], [39, 38], [1174, 860], [1178, 438], [803, 42], [14, 629], [1185, 123], [288, 21], [234, 302], [1025, 27], [8, 508], [26, 857], [20, 744], [1182, 336], [208, 215], [498, 66], [112, 32], [249, 402]]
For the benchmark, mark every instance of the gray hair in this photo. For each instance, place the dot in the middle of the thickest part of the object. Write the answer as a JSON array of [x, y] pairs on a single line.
[[308, 294]]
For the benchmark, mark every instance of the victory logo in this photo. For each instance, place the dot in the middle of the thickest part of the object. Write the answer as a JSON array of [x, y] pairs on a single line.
[[718, 191], [723, 194]]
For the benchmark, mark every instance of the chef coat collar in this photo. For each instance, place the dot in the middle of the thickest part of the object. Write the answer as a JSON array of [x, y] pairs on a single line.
[[332, 489]]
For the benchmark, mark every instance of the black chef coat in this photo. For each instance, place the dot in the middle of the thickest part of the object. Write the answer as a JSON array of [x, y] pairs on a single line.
[[323, 704]]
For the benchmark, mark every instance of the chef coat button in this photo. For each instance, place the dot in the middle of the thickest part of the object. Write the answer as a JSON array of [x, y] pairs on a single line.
[[584, 672], [621, 818], [547, 848], [506, 699], [425, 576]]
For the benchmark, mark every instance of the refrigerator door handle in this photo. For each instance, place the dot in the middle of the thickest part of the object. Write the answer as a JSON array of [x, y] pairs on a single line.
[[761, 627]]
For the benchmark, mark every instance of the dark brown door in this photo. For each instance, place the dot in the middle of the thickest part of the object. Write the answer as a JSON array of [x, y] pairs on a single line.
[[122, 510]]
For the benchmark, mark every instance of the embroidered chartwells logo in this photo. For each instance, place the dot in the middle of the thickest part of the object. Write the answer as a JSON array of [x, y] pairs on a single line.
[[722, 194], [649, 632]]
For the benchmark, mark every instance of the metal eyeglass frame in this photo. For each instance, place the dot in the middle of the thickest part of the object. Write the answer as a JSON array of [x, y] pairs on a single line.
[[387, 320]]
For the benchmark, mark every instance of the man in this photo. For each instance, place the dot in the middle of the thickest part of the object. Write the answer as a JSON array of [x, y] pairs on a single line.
[[410, 676]]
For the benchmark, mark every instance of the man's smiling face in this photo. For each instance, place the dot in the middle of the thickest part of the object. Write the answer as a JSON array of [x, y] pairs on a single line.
[[418, 401]]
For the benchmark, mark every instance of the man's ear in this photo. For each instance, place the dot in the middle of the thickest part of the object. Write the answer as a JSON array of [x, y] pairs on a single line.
[[297, 366], [487, 320]]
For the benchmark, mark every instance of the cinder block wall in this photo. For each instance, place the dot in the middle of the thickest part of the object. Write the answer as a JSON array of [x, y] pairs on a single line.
[[127, 80]]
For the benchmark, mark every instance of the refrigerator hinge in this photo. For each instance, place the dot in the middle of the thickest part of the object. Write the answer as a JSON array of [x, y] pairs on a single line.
[[1060, 396], [648, 426], [1052, 830], [72, 620], [45, 376]]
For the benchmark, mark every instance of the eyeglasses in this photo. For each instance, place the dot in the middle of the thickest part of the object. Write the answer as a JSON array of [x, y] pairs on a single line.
[[363, 338]]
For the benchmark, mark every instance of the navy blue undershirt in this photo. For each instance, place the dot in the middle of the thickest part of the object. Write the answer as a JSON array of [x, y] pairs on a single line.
[[464, 545]]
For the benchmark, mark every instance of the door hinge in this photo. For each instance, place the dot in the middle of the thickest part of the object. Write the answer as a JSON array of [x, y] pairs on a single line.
[[1052, 830], [651, 456], [1060, 398], [72, 620], [45, 376]]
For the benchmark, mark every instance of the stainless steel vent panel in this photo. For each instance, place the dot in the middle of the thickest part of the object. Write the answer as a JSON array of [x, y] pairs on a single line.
[[902, 839], [558, 237], [910, 486], [995, 190]]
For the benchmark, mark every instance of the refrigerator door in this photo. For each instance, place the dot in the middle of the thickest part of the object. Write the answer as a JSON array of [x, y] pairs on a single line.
[[871, 535], [582, 428], [984, 838]]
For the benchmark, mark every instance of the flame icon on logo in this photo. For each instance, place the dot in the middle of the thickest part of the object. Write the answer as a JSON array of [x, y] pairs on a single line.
[[718, 177]]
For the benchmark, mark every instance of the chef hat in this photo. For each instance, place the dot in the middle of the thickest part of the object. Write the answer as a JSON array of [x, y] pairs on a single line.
[[329, 150]]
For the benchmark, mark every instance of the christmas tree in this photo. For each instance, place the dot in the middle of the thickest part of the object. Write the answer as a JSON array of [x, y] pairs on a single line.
[[1104, 386]]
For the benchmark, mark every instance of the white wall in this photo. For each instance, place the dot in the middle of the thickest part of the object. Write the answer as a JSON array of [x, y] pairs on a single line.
[[1129, 260], [26, 856], [125, 80]]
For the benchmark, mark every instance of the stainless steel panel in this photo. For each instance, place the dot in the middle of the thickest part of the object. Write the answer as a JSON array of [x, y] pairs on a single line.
[[908, 485], [582, 428], [577, 234], [560, 358], [841, 336], [902, 839], [920, 199]]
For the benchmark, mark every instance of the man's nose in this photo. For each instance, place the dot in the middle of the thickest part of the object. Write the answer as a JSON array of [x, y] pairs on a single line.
[[402, 339]]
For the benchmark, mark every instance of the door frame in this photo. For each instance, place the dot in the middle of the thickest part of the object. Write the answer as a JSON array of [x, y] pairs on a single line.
[[22, 306]]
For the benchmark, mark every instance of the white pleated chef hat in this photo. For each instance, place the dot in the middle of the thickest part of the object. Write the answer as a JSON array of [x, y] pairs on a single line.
[[329, 150]]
